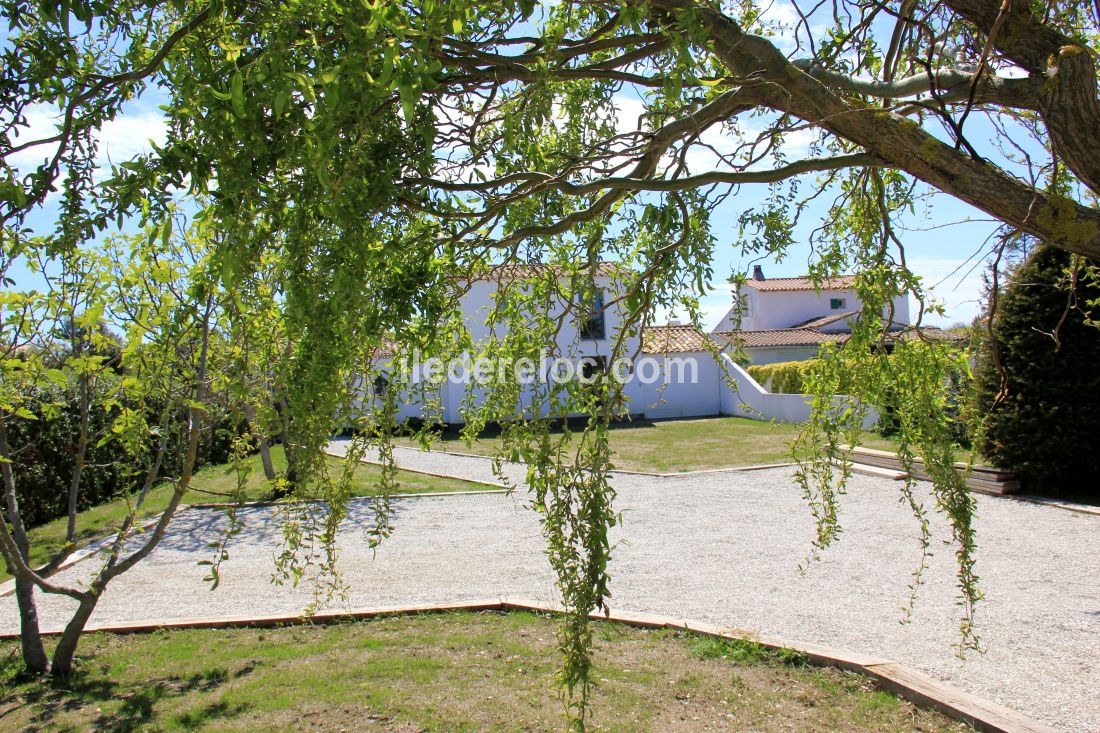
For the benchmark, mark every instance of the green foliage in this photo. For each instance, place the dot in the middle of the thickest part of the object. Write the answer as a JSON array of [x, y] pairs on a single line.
[[745, 652], [785, 377], [1037, 393], [357, 166], [907, 386], [44, 463]]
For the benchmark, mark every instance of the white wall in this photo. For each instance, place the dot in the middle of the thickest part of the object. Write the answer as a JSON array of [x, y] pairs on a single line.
[[477, 303], [785, 308], [673, 395], [687, 387], [753, 401]]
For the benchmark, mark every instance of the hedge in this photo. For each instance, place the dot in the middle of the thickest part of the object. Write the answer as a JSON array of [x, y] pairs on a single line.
[[45, 452], [786, 377], [1044, 424]]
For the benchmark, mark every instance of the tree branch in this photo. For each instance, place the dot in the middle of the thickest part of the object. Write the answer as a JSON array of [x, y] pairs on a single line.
[[898, 141], [549, 182], [952, 85], [1068, 92]]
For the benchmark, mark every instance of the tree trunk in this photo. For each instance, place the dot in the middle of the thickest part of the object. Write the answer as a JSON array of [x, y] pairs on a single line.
[[34, 654], [265, 458], [78, 458], [261, 440], [66, 646], [284, 436], [30, 638]]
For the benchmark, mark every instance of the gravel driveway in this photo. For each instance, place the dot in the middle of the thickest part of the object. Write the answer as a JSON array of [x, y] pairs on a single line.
[[720, 547]]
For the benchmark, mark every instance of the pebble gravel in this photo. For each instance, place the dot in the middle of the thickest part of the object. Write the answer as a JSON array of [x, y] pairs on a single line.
[[722, 547]]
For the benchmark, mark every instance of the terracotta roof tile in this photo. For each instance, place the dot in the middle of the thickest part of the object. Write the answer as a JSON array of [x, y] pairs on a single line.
[[826, 320], [806, 336], [779, 337], [843, 282], [672, 339], [929, 332]]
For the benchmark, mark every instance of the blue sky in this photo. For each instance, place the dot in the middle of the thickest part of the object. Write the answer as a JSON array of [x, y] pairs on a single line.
[[946, 244], [948, 256]]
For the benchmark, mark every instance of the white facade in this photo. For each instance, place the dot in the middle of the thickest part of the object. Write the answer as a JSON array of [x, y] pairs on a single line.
[[446, 402], [787, 319], [689, 386], [778, 309], [687, 381]]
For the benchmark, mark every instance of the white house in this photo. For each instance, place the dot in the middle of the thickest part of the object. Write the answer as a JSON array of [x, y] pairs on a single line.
[[788, 318], [670, 371]]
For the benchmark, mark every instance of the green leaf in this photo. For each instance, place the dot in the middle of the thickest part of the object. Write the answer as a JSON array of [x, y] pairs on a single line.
[[237, 92], [281, 99], [409, 95]]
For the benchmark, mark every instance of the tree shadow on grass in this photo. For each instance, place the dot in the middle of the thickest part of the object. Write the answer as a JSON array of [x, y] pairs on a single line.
[[134, 704]]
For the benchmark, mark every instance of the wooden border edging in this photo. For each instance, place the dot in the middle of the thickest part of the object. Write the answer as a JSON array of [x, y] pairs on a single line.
[[276, 502], [89, 550], [918, 688], [670, 474], [422, 472], [1069, 506]]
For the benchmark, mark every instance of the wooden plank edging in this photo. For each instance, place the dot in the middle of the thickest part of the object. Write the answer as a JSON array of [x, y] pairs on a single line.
[[669, 474], [918, 688], [89, 550], [495, 484]]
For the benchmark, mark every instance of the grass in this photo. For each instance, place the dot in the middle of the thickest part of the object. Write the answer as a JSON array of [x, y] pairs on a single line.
[[449, 672], [679, 445], [214, 484]]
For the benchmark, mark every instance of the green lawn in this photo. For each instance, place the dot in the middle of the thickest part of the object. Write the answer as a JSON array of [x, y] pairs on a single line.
[[447, 672], [680, 445], [215, 484]]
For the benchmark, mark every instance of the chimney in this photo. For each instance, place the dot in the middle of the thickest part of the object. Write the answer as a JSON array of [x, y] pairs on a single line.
[[758, 273], [675, 322]]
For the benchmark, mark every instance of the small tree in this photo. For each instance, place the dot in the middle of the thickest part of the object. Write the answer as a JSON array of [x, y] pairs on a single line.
[[1037, 396], [162, 299]]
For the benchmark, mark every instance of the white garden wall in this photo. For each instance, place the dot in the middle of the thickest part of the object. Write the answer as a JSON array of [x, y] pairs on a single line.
[[753, 401], [687, 386]]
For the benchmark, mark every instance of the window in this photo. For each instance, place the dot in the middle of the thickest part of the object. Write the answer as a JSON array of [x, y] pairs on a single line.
[[381, 384], [593, 326], [836, 303], [592, 366]]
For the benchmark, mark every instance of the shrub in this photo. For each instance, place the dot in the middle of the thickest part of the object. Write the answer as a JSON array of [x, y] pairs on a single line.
[[786, 377], [45, 452], [1045, 423]]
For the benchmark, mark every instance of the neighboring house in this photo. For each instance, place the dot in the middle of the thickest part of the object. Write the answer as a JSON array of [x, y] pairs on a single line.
[[673, 371], [788, 318], [587, 341]]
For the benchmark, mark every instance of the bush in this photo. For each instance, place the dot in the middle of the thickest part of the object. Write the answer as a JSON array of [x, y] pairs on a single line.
[[1044, 426], [45, 453], [789, 377], [786, 377]]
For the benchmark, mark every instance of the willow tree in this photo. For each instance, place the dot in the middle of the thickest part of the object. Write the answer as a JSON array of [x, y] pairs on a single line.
[[390, 152]]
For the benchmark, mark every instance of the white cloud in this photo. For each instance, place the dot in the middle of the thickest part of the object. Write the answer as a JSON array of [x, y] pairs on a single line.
[[130, 135], [120, 139]]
